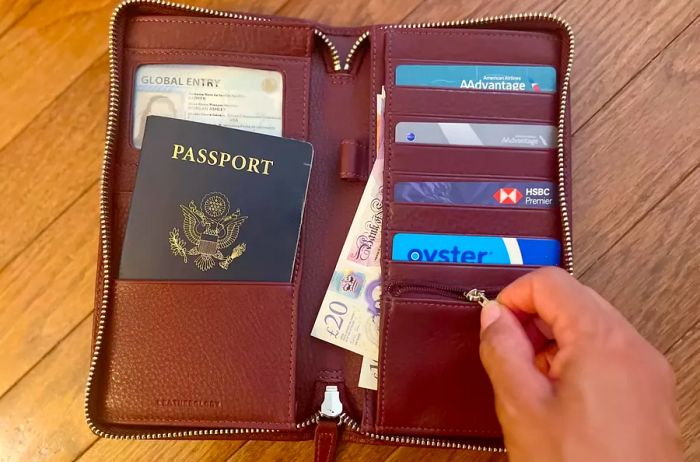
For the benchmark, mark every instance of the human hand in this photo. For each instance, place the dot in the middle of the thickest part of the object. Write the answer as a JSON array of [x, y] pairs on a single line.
[[600, 393]]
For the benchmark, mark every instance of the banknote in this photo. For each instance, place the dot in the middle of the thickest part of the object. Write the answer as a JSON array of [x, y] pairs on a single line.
[[369, 373], [235, 97], [349, 313]]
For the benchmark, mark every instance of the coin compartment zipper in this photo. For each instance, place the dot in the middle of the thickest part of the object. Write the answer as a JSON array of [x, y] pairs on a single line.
[[105, 203]]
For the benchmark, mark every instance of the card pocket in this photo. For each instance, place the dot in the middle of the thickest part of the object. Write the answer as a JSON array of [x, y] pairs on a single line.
[[451, 219], [295, 81], [467, 276], [431, 381], [201, 354], [478, 161], [490, 105]]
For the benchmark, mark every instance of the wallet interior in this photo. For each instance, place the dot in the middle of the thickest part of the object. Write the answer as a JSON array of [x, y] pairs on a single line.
[[235, 359]]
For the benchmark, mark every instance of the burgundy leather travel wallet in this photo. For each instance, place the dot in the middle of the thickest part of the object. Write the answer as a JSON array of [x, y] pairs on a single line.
[[181, 359]]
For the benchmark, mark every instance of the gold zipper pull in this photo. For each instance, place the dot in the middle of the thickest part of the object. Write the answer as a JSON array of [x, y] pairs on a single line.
[[476, 296]]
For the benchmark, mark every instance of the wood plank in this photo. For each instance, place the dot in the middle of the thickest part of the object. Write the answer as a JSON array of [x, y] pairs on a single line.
[[685, 359], [172, 451], [13, 10], [615, 40], [444, 455], [302, 451], [437, 10], [66, 37], [51, 164], [648, 275], [349, 12], [636, 149], [48, 290], [42, 417]]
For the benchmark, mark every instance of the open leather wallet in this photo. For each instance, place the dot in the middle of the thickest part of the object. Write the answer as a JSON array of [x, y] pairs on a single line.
[[221, 359]]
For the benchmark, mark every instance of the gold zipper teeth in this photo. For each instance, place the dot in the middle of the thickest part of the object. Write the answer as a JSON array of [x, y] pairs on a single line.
[[335, 56], [105, 223]]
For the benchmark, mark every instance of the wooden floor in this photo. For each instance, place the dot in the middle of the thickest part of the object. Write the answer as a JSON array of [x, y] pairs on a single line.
[[636, 103]]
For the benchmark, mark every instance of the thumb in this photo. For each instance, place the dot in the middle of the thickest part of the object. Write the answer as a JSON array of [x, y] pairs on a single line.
[[509, 359]]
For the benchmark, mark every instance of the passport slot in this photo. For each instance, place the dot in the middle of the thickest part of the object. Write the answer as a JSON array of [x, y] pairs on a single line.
[[431, 380], [494, 106], [196, 349], [295, 74], [470, 160], [451, 219]]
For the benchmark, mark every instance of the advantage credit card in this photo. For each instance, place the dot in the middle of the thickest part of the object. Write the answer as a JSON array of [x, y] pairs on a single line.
[[499, 194], [531, 79], [475, 250], [531, 136]]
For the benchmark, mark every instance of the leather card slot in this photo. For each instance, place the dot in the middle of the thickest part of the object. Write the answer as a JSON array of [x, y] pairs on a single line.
[[472, 160], [399, 177], [451, 219], [431, 381], [477, 46], [193, 354], [295, 111], [219, 34], [492, 106], [466, 276]]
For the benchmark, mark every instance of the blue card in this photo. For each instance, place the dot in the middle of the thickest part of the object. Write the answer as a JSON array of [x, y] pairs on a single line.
[[475, 250], [499, 194], [531, 79]]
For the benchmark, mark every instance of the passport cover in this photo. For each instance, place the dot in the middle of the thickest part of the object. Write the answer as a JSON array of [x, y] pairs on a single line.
[[215, 203]]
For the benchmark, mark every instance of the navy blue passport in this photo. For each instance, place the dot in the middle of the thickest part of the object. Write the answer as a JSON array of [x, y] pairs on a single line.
[[215, 203]]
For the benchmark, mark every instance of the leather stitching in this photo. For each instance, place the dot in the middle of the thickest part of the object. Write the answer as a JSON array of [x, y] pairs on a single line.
[[319, 446], [467, 32]]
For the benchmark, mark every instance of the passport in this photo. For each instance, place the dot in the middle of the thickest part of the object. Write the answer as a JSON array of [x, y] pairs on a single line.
[[215, 203]]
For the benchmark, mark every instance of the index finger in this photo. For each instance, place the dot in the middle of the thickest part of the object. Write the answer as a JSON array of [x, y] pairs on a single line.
[[555, 296]]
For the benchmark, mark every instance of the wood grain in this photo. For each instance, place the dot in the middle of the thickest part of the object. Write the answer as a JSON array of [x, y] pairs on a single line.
[[615, 40], [42, 417], [685, 359], [52, 163], [652, 290], [437, 10], [171, 451], [635, 183], [12, 10], [35, 315], [637, 149]]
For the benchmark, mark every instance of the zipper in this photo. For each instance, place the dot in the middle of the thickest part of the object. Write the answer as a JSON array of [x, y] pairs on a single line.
[[334, 405], [479, 296]]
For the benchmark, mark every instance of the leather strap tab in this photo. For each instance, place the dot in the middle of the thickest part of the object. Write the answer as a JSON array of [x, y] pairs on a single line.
[[325, 440], [353, 160]]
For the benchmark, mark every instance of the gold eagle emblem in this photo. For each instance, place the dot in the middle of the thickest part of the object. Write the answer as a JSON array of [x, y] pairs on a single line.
[[211, 230]]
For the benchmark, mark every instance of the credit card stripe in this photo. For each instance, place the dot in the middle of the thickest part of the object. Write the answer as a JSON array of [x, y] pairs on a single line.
[[516, 258], [475, 249], [530, 79], [524, 136]]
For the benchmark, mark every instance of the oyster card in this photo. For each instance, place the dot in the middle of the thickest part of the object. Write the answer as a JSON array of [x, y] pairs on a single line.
[[215, 203]]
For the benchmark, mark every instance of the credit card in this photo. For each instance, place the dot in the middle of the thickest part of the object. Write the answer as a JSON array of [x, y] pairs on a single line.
[[476, 134], [537, 79], [235, 97], [476, 250], [500, 194]]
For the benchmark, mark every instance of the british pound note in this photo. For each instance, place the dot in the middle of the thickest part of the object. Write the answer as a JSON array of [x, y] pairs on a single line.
[[349, 314]]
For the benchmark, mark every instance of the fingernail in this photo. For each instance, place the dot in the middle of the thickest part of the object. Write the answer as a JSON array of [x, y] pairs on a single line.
[[489, 313]]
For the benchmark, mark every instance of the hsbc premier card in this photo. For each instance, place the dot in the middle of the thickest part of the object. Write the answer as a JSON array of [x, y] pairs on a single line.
[[499, 194]]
